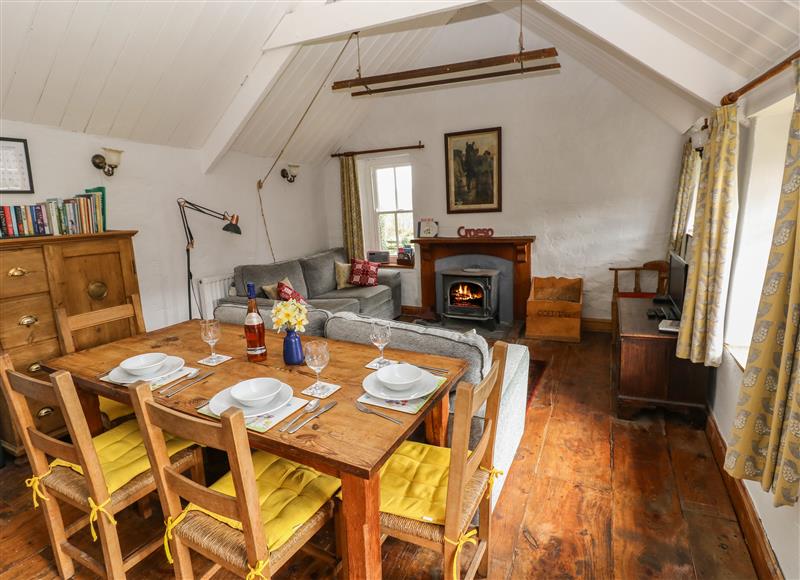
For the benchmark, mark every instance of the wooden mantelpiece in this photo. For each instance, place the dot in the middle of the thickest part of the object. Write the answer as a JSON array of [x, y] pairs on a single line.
[[517, 249]]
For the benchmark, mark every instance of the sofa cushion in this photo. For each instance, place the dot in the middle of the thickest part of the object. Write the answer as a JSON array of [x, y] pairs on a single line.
[[363, 272], [329, 304], [268, 274], [319, 273], [470, 347], [369, 297], [235, 313]]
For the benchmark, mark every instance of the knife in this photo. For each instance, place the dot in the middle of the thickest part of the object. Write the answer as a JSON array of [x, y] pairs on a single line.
[[327, 407], [187, 385]]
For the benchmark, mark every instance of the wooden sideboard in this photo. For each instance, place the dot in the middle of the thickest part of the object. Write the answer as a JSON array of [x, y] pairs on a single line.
[[39, 274], [645, 371]]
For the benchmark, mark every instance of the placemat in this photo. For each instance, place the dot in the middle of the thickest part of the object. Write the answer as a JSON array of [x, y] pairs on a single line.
[[412, 406], [264, 423]]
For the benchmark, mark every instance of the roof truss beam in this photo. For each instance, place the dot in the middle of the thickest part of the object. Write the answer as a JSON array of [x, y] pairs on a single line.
[[317, 21], [256, 86], [687, 67]]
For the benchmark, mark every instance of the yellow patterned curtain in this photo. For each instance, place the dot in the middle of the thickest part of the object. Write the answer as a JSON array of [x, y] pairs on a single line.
[[702, 324], [765, 444], [352, 228], [687, 186]]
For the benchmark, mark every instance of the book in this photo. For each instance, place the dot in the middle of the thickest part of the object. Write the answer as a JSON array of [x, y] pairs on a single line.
[[82, 213]]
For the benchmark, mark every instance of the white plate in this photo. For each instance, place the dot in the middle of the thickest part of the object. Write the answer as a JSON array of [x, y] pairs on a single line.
[[222, 400], [171, 365], [426, 385]]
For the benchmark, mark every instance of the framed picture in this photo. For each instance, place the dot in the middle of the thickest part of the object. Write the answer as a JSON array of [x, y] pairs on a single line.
[[472, 167], [427, 228], [15, 166]]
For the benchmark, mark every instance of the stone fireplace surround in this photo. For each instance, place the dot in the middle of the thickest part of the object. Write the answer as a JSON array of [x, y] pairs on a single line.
[[515, 262]]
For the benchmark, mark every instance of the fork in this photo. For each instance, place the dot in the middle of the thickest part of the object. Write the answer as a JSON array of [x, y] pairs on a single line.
[[364, 409]]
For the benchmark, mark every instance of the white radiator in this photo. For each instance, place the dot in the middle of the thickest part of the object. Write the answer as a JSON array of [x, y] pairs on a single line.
[[210, 290]]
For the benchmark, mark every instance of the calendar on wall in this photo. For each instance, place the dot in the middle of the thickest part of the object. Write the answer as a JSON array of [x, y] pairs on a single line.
[[15, 166]]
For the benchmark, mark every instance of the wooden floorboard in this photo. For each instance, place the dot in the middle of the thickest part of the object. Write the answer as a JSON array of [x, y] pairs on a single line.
[[588, 496]]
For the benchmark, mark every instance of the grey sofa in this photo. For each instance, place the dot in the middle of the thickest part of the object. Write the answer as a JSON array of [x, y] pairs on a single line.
[[314, 277], [469, 346]]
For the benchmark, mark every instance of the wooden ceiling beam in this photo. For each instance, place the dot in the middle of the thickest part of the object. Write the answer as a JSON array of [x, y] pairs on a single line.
[[315, 21], [430, 71], [448, 81]]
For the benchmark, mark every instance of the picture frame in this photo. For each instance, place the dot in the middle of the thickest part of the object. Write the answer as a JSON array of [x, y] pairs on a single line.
[[473, 162], [427, 228], [15, 166]]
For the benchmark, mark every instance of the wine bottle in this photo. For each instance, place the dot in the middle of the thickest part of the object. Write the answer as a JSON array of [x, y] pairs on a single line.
[[254, 328]]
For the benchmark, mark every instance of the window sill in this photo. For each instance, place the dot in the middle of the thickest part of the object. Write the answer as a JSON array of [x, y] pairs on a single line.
[[739, 354], [392, 263]]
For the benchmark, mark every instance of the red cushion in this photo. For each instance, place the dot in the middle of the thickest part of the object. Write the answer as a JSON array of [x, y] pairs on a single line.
[[363, 273], [286, 292]]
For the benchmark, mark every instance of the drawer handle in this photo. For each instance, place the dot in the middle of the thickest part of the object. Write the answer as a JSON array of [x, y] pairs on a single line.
[[34, 367], [44, 412], [97, 290], [28, 320], [17, 272]]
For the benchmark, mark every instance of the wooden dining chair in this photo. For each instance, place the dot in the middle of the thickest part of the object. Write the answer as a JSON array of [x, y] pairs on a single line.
[[100, 476], [661, 267], [251, 520], [429, 494], [113, 411]]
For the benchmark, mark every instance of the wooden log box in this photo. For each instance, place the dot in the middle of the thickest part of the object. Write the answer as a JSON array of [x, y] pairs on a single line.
[[554, 309]]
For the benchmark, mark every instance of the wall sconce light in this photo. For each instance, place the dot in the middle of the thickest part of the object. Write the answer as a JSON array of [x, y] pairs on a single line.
[[108, 162], [289, 173]]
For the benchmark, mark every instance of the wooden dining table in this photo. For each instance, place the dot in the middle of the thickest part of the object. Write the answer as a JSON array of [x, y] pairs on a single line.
[[344, 442]]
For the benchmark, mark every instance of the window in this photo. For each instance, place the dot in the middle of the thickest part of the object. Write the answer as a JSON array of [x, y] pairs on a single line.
[[391, 196], [761, 187]]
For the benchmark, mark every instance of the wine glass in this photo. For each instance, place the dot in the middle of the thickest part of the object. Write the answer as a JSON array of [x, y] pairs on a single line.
[[317, 358], [379, 336], [209, 331]]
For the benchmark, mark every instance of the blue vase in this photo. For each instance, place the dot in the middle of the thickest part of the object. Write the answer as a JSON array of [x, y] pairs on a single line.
[[293, 349]]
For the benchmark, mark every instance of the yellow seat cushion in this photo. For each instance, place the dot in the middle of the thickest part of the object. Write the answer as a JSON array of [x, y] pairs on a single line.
[[289, 494], [114, 410], [414, 482], [122, 454]]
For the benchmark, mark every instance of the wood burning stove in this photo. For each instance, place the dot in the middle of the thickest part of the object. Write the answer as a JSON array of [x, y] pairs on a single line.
[[470, 293]]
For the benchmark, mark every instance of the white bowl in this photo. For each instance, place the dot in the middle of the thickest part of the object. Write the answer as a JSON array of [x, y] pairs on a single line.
[[255, 392], [399, 377], [143, 364]]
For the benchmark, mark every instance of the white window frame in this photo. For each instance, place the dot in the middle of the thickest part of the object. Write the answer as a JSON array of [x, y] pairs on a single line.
[[369, 213]]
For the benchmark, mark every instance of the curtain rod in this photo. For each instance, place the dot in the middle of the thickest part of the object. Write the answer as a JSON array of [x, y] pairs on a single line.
[[350, 153], [731, 98]]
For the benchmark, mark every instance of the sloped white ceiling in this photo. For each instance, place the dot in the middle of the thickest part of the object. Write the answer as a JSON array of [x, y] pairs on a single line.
[[748, 36], [165, 71], [334, 115], [158, 72]]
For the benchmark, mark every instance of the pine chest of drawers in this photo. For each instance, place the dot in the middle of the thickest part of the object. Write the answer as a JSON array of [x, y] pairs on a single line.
[[39, 274]]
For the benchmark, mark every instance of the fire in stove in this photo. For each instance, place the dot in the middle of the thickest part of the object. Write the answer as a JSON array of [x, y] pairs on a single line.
[[465, 294]]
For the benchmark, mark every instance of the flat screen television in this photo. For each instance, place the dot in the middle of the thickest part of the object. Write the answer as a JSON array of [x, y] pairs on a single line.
[[678, 269]]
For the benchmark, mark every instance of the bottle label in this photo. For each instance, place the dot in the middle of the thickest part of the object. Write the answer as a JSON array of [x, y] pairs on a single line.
[[256, 350]]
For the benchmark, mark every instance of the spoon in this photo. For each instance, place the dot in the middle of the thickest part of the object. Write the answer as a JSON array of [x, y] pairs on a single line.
[[310, 407]]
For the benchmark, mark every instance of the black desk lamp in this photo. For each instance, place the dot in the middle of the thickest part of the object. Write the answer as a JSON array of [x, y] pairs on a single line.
[[232, 226]]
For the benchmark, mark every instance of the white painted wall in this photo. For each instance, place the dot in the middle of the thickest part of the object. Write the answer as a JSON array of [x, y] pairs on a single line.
[[761, 170], [141, 196], [585, 168]]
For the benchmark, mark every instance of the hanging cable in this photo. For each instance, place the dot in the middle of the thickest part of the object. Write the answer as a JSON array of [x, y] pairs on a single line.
[[521, 41], [261, 182]]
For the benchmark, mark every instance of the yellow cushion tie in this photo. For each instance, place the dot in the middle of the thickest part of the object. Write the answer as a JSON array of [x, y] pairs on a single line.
[[35, 482], [257, 571], [168, 534], [463, 539], [493, 475], [95, 514]]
